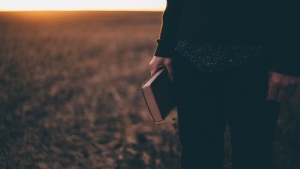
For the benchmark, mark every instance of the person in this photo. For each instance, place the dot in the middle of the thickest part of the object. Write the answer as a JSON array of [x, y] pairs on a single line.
[[231, 62]]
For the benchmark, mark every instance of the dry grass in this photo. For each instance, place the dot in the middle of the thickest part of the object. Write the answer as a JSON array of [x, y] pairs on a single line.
[[70, 95]]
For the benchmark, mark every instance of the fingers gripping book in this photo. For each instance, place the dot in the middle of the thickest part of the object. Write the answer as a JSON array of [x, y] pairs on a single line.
[[158, 92]]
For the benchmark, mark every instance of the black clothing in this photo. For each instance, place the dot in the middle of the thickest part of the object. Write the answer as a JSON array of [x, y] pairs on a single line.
[[206, 100], [274, 24], [209, 57]]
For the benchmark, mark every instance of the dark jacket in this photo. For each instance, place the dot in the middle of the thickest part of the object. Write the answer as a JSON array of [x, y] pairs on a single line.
[[274, 24]]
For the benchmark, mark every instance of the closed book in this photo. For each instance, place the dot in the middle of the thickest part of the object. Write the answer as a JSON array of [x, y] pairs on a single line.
[[158, 92]]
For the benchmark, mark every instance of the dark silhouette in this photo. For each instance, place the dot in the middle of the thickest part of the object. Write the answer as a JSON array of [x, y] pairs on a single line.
[[231, 61]]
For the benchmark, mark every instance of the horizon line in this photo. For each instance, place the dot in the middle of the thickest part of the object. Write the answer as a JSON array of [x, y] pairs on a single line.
[[74, 10]]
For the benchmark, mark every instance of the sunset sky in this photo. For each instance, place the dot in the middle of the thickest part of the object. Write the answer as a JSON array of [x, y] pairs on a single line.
[[17, 5]]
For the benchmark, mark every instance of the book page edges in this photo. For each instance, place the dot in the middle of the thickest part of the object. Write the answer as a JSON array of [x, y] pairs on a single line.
[[153, 108]]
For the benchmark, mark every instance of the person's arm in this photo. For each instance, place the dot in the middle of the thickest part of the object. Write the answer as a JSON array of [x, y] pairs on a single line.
[[287, 46], [285, 72], [167, 40], [171, 19]]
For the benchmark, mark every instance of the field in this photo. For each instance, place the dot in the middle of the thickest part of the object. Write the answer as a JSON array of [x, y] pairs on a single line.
[[70, 95]]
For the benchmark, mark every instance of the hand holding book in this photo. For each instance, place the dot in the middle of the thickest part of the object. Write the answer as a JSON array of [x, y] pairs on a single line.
[[159, 62], [158, 92]]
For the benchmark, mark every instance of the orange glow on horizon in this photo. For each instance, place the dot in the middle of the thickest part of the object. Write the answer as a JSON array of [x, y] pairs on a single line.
[[93, 5]]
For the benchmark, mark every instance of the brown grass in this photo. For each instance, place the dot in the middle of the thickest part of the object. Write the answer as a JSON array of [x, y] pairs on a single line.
[[70, 95]]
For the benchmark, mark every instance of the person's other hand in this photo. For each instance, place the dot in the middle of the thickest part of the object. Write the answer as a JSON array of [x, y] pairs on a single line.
[[158, 62], [282, 86]]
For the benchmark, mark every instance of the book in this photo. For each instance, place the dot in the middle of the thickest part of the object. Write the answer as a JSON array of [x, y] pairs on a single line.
[[158, 92]]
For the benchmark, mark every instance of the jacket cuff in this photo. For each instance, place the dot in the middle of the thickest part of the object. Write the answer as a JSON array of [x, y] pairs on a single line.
[[165, 49], [287, 65]]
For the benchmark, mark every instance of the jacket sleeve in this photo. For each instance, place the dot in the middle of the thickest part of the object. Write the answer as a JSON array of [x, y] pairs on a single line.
[[287, 47], [171, 17]]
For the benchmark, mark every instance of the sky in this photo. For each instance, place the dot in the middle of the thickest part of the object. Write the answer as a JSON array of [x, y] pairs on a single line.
[[17, 5]]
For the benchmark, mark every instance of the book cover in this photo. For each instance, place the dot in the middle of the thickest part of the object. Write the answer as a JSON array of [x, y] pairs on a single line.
[[158, 92]]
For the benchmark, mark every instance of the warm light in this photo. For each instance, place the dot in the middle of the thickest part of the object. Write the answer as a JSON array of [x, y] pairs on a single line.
[[8, 5]]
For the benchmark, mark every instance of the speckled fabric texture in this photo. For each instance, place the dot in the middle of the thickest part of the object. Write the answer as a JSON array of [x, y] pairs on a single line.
[[208, 57]]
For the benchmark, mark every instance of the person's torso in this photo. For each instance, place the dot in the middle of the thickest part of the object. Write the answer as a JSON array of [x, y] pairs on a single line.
[[240, 21]]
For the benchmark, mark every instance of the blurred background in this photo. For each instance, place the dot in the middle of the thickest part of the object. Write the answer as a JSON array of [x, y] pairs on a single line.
[[70, 91]]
